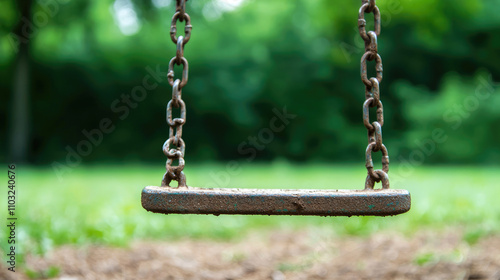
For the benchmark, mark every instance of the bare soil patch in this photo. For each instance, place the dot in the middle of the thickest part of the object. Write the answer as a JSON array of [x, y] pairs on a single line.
[[281, 255]]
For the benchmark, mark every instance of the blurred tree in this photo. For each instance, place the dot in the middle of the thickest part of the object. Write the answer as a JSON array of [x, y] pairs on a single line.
[[19, 116], [246, 59]]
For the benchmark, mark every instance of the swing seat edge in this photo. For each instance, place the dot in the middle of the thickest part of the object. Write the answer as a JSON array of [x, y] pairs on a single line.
[[301, 202]]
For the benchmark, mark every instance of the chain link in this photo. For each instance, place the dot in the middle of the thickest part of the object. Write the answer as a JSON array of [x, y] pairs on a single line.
[[174, 148], [372, 96]]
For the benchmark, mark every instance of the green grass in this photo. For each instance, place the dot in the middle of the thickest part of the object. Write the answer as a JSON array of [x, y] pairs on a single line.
[[101, 204]]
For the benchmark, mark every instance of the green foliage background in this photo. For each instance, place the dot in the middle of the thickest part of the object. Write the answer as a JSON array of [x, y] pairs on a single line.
[[302, 54]]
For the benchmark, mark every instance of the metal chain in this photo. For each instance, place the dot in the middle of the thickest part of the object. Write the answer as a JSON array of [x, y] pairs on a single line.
[[372, 96], [174, 148]]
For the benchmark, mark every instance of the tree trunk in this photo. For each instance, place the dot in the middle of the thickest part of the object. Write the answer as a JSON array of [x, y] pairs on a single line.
[[20, 125]]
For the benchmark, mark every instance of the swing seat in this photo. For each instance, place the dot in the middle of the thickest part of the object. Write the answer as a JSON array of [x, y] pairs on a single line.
[[379, 202]]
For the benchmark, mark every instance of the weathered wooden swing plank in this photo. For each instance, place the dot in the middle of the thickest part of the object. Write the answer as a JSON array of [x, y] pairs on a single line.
[[380, 202]]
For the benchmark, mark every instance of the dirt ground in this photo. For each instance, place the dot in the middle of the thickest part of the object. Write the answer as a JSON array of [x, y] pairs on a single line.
[[281, 255]]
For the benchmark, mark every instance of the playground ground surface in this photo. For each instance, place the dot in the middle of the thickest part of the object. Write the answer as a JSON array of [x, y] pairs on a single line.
[[89, 224]]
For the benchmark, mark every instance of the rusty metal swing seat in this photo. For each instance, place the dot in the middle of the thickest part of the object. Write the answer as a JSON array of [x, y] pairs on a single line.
[[320, 202]]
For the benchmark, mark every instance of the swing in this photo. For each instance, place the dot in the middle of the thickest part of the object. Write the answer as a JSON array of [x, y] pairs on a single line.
[[321, 202]]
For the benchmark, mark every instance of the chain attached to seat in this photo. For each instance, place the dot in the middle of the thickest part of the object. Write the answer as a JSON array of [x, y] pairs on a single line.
[[372, 96], [217, 201], [175, 147]]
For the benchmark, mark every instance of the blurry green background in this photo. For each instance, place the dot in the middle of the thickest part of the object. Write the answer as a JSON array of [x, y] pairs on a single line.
[[72, 68], [246, 58]]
